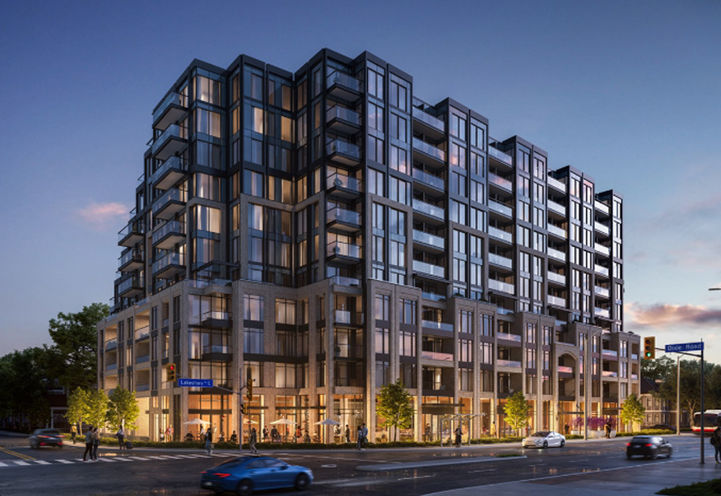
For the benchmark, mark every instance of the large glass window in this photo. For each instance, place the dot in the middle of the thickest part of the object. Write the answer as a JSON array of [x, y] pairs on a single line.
[[252, 307], [207, 122], [207, 90], [207, 218]]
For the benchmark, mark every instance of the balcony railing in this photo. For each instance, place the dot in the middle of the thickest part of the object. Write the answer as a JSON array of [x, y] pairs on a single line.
[[216, 348], [433, 296], [169, 228], [555, 207], [500, 156], [428, 209], [601, 312], [338, 214], [173, 195], [634, 377], [507, 336], [601, 291], [440, 326], [634, 356], [142, 359], [429, 179], [555, 183], [603, 250], [111, 344], [168, 260], [501, 286], [340, 248], [508, 363], [345, 80], [429, 239], [131, 230], [131, 283], [500, 181], [610, 353], [346, 281], [142, 332], [601, 207], [348, 317], [170, 99], [174, 131], [553, 276], [430, 150], [557, 254], [609, 373], [343, 149], [601, 270], [131, 256], [561, 233], [500, 208], [437, 355], [430, 269], [343, 114], [557, 301], [345, 182], [564, 369], [174, 163], [601, 228], [428, 119], [500, 234], [500, 260]]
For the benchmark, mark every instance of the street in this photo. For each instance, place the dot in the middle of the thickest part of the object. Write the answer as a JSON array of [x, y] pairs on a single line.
[[403, 471]]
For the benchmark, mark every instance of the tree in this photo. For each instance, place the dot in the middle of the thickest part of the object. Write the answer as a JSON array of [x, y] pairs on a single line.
[[24, 394], [122, 409], [517, 410], [395, 407], [96, 412], [657, 369], [75, 338], [77, 408], [632, 410]]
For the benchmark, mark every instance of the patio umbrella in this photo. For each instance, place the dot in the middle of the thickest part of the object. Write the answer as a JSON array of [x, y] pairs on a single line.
[[327, 422], [196, 421], [283, 421]]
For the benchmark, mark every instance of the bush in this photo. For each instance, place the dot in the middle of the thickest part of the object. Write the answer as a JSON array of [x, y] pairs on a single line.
[[646, 432], [707, 488]]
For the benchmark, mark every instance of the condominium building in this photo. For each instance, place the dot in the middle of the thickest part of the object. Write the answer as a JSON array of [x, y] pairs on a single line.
[[328, 232]]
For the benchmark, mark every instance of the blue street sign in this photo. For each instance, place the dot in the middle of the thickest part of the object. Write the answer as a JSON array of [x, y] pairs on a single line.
[[670, 348], [206, 383]]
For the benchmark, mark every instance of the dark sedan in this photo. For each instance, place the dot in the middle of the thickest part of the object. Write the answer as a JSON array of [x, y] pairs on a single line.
[[45, 437], [648, 447], [249, 473]]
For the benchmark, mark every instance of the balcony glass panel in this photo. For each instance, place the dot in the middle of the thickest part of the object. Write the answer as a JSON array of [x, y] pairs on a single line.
[[343, 249], [507, 336], [172, 131], [172, 226], [499, 181], [429, 149], [508, 363], [167, 260], [500, 260], [601, 207], [500, 208], [343, 80], [170, 99], [428, 209], [609, 373], [429, 239], [557, 254], [430, 269], [601, 228], [340, 181], [601, 312], [437, 355], [429, 179], [427, 118], [336, 112], [130, 283], [111, 344], [559, 278], [499, 155], [129, 256], [601, 291], [501, 286], [130, 228], [557, 231], [433, 296], [500, 234], [604, 250], [172, 195], [555, 300], [601, 270], [344, 148], [611, 353], [346, 281], [173, 162], [142, 332], [342, 215], [555, 207], [564, 369], [555, 183], [441, 326]]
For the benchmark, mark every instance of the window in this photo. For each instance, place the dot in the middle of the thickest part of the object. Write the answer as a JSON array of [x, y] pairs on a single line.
[[486, 325], [207, 90], [478, 134], [208, 122], [253, 85], [399, 190], [407, 311], [477, 192], [457, 156], [457, 212], [399, 128], [465, 350], [458, 126], [253, 307], [376, 182], [208, 155], [375, 149], [523, 186], [207, 219], [478, 219], [486, 353], [458, 184], [399, 95], [531, 330], [399, 159], [382, 307], [382, 341], [375, 117], [407, 343], [208, 187], [284, 311], [375, 81], [253, 340]]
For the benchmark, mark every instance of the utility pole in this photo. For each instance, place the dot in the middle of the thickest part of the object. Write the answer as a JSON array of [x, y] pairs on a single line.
[[678, 395], [586, 385], [703, 414]]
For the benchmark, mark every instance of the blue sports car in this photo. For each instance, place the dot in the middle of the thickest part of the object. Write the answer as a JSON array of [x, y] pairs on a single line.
[[248, 473]]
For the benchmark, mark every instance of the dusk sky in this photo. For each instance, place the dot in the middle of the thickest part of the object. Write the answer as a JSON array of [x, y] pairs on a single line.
[[629, 92]]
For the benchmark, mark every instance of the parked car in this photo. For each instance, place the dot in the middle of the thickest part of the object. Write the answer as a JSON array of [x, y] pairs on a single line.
[[544, 439], [45, 437], [246, 474], [648, 447]]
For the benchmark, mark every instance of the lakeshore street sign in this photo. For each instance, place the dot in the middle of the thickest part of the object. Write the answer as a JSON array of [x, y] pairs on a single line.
[[675, 348], [206, 383]]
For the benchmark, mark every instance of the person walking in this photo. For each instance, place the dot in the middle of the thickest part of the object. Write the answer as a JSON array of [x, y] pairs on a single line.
[[88, 444], [253, 440], [265, 434], [121, 438], [347, 433], [209, 440], [364, 435], [459, 436], [359, 438], [73, 432], [96, 443], [234, 437], [716, 443]]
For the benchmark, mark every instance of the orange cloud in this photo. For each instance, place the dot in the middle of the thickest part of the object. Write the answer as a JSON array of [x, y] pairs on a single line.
[[667, 315], [102, 215]]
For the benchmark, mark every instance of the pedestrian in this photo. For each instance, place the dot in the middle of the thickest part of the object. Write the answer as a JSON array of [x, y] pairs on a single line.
[[566, 428], [234, 438], [96, 443], [359, 438], [209, 440], [121, 438], [265, 434], [427, 433], [201, 436], [607, 429], [221, 438], [459, 436], [716, 443], [253, 440], [169, 433], [88, 444], [298, 434], [306, 437], [73, 432], [364, 435], [347, 433], [274, 435]]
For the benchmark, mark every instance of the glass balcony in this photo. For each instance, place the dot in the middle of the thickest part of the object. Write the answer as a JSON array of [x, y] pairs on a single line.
[[433, 122], [501, 286], [346, 281], [111, 344], [342, 185], [437, 355], [433, 296], [342, 249], [609, 373], [634, 356], [434, 182], [609, 353], [348, 317], [343, 120], [508, 364], [343, 86], [429, 150], [634, 377], [600, 228], [216, 349], [169, 265], [343, 152], [142, 333], [601, 312], [342, 216], [439, 326], [507, 336], [500, 260], [603, 250], [429, 239], [601, 207], [556, 184], [500, 234], [131, 234], [556, 208], [131, 260], [170, 142], [168, 235], [502, 183], [556, 231], [557, 278], [131, 286], [556, 254], [555, 300], [428, 209], [170, 203], [601, 291], [215, 319], [110, 367], [169, 173], [430, 269], [500, 209], [601, 270], [564, 369], [171, 109], [500, 156]]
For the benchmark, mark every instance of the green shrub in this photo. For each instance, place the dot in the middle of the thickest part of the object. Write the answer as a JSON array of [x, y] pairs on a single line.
[[707, 488]]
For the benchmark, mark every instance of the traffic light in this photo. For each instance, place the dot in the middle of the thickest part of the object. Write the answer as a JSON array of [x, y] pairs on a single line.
[[242, 408], [249, 384], [649, 348], [170, 372]]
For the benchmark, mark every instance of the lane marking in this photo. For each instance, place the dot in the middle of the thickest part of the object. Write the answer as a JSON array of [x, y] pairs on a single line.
[[139, 458], [42, 462], [436, 463], [122, 459], [20, 462], [415, 477], [107, 460], [16, 454], [3, 464], [330, 465], [64, 461]]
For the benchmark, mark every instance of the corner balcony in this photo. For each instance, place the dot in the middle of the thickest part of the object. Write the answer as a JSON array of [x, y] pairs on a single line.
[[131, 260], [168, 235], [500, 261], [431, 241], [556, 301], [428, 124], [169, 173], [131, 234], [111, 344], [340, 186], [351, 282], [131, 286], [556, 254], [500, 209], [556, 184], [609, 374], [507, 336], [341, 252], [499, 182], [501, 286], [347, 317], [169, 265], [428, 152], [608, 354], [500, 156], [173, 107], [142, 333], [500, 234], [343, 152], [428, 211], [602, 208], [556, 231], [169, 204], [170, 142], [343, 220], [343, 87], [342, 120], [216, 319], [428, 181], [556, 208], [425, 268]]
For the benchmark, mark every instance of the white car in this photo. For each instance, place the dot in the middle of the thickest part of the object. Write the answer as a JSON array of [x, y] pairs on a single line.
[[544, 439]]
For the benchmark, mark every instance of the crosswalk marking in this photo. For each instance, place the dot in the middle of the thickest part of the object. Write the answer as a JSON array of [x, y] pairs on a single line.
[[20, 462], [122, 459], [3, 464], [64, 461], [41, 462], [116, 458], [168, 457], [104, 459], [139, 458]]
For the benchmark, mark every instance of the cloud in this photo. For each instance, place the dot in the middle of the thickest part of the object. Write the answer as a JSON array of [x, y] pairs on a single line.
[[668, 315], [101, 216]]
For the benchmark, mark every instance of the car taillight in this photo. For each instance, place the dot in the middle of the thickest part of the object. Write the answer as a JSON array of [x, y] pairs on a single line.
[[222, 476], [204, 472], [61, 435], [628, 444], [648, 445]]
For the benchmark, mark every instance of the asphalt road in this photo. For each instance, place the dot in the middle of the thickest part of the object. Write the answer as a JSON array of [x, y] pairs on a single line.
[[409, 472]]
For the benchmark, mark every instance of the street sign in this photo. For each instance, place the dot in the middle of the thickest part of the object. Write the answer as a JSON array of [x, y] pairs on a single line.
[[676, 348], [206, 383]]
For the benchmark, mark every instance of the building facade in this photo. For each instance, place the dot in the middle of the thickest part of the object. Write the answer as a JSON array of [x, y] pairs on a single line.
[[328, 232]]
